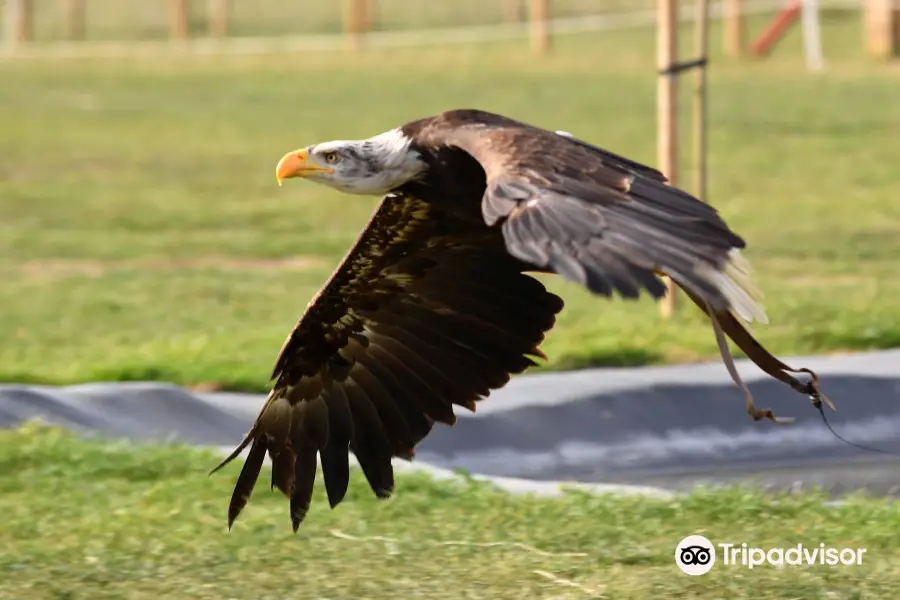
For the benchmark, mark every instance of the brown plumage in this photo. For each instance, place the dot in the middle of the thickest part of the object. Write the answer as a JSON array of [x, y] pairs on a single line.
[[432, 306]]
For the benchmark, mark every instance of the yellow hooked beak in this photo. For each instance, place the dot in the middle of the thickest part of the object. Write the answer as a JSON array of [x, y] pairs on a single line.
[[298, 163]]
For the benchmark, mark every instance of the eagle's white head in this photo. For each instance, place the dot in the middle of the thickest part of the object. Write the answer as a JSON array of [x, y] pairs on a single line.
[[370, 167]]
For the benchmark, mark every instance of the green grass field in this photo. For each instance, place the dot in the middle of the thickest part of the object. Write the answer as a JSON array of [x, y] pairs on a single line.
[[96, 520], [142, 235]]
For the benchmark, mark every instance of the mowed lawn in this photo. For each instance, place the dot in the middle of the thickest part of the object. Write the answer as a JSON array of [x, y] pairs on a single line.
[[142, 235], [95, 520]]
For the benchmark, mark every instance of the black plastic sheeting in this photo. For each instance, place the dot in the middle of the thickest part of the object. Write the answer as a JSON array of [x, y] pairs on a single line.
[[665, 427]]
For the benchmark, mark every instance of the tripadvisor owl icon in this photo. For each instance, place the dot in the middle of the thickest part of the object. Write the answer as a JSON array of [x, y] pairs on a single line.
[[695, 555]]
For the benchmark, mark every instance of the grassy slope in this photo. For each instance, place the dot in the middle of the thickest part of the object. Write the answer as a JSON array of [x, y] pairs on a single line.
[[142, 234], [98, 520]]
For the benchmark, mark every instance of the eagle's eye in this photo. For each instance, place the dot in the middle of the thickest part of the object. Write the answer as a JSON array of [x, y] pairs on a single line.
[[331, 157]]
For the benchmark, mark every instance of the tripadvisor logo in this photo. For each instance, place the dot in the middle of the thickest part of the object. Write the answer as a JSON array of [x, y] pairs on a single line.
[[696, 555], [795, 555]]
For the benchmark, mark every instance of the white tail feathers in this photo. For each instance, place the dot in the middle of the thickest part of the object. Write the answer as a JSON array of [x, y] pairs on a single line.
[[736, 286]]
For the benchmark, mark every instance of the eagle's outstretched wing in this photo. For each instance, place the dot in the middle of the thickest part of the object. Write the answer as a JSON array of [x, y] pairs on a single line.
[[611, 224], [425, 311], [596, 218]]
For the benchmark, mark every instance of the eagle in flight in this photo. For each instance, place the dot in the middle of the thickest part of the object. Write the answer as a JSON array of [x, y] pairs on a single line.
[[433, 307]]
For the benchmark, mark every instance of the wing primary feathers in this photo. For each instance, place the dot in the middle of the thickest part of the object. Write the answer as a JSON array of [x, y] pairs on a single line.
[[506, 323], [469, 332], [315, 424], [393, 415], [335, 455], [398, 391], [410, 345], [370, 443], [427, 399], [283, 470], [336, 471], [424, 323], [305, 481], [236, 452], [252, 435], [247, 479]]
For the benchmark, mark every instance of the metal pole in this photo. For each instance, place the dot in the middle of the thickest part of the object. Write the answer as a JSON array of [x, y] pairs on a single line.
[[812, 38]]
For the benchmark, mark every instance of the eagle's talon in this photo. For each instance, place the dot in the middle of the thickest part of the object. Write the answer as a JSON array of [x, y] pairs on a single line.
[[759, 414]]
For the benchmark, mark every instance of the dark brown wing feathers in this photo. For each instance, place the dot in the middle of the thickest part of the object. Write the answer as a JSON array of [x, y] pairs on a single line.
[[608, 223], [592, 216], [427, 311]]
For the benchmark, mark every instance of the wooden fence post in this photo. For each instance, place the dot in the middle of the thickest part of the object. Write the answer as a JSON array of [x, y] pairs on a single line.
[[735, 26], [218, 17], [75, 19], [354, 22], [882, 28], [368, 18], [19, 24], [539, 16], [700, 98], [667, 111], [179, 19]]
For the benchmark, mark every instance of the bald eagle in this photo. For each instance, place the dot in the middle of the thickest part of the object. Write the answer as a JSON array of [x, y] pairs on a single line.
[[433, 307]]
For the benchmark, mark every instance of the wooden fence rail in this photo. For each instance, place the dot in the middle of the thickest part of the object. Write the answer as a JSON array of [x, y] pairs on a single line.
[[881, 19]]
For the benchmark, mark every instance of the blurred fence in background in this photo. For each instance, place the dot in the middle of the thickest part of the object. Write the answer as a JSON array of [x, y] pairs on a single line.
[[102, 26]]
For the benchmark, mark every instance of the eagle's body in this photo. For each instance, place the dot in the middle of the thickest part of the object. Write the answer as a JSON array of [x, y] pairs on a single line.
[[432, 306]]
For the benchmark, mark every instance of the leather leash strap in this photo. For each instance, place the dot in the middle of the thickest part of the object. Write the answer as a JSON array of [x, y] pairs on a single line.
[[724, 323]]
